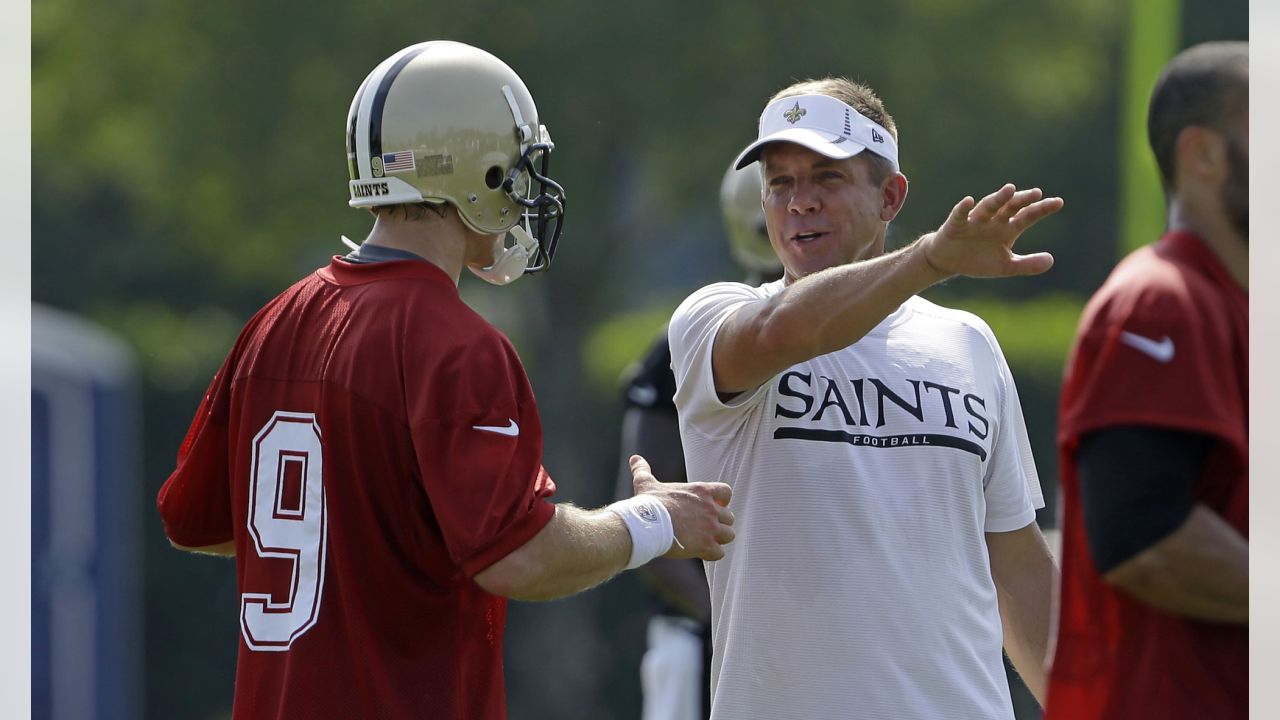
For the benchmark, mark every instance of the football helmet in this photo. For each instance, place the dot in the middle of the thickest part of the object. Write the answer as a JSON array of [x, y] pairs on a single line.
[[443, 121], [743, 214]]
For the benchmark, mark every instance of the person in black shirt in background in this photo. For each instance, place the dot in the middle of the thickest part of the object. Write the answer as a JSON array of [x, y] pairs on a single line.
[[674, 674]]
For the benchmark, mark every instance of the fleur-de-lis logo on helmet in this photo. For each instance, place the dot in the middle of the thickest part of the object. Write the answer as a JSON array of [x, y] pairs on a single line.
[[794, 114]]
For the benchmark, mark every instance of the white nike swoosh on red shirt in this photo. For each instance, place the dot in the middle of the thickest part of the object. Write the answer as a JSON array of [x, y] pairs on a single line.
[[511, 430], [1160, 351]]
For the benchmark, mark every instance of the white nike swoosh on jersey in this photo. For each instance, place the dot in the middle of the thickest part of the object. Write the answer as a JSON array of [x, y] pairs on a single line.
[[1161, 351], [511, 430]]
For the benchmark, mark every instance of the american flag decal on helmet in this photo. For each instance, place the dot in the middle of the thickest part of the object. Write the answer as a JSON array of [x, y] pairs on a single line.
[[398, 161]]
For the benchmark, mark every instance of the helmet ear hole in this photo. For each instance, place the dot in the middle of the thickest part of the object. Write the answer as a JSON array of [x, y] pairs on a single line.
[[493, 177]]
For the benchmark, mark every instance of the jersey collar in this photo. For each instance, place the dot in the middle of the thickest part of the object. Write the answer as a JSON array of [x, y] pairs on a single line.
[[1190, 249], [342, 272]]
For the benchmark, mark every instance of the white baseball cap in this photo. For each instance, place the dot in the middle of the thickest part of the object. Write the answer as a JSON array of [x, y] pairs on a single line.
[[823, 124]]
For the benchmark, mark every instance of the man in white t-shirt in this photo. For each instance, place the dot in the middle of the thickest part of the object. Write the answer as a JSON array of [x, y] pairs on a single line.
[[884, 486]]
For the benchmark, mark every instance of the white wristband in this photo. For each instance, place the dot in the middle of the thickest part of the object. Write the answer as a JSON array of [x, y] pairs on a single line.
[[650, 526]]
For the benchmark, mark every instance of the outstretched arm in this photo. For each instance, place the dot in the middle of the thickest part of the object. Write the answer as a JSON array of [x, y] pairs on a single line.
[[832, 309], [580, 549]]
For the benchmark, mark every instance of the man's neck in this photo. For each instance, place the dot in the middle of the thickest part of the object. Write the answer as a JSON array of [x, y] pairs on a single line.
[[438, 242], [1216, 231]]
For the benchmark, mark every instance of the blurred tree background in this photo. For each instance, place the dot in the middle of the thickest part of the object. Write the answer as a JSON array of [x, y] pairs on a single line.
[[188, 164]]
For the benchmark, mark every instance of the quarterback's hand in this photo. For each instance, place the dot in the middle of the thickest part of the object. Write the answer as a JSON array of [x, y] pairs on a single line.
[[977, 239], [699, 515]]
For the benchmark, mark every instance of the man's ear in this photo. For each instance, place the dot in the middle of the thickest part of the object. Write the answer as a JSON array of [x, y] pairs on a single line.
[[893, 195], [1201, 153]]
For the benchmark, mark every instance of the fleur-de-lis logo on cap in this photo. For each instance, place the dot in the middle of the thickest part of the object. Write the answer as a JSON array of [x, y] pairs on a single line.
[[794, 114]]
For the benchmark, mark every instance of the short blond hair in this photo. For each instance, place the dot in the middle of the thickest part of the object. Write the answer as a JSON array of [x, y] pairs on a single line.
[[412, 212]]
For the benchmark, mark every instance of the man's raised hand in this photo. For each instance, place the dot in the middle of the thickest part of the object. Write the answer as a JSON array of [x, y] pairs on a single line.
[[977, 238]]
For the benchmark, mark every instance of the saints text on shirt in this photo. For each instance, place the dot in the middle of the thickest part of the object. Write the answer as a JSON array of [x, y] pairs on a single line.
[[814, 398]]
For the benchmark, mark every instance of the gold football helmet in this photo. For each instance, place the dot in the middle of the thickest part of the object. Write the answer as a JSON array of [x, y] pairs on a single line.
[[442, 121], [743, 215]]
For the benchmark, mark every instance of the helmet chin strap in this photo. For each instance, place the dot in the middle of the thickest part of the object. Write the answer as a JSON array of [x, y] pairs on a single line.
[[509, 263]]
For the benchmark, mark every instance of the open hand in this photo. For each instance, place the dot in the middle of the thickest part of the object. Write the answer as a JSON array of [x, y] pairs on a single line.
[[699, 512], [977, 239]]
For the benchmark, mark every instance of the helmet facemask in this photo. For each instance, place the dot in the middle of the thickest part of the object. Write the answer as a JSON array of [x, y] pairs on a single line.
[[544, 212], [538, 231]]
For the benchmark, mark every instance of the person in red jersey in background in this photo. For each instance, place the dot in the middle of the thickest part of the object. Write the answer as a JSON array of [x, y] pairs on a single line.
[[370, 450], [1154, 436]]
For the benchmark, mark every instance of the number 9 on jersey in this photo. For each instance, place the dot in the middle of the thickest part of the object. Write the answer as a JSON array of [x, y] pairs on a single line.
[[288, 523]]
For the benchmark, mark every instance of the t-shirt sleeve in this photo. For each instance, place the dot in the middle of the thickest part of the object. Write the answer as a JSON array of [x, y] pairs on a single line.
[[195, 502], [1012, 485], [480, 456], [692, 334], [1145, 357]]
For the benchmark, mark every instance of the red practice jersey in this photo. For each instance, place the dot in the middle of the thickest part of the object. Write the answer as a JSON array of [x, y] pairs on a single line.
[[1165, 344], [370, 444]]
